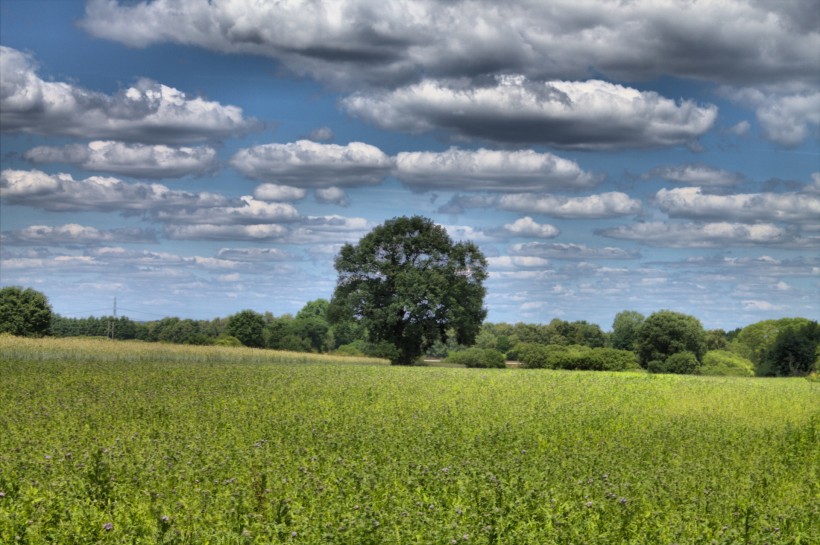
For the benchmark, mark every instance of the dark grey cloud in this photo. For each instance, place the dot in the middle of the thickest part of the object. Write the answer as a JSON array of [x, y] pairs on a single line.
[[593, 114], [145, 112], [355, 42]]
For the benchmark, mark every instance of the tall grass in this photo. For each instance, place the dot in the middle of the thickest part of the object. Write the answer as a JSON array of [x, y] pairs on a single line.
[[264, 451]]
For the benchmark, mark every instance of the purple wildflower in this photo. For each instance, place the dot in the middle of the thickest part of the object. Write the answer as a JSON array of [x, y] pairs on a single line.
[[108, 526]]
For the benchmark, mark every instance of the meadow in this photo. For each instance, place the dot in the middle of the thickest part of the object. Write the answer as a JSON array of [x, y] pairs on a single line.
[[115, 442]]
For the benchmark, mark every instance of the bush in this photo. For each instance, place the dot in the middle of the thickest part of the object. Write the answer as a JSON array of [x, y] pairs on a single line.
[[724, 363], [348, 350], [574, 357], [478, 357], [532, 355], [227, 340], [680, 363]]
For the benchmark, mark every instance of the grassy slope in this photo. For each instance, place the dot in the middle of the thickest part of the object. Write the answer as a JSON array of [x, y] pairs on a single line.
[[239, 450]]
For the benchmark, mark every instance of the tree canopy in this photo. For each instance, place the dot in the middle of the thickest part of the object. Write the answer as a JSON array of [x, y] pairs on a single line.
[[24, 312], [408, 283], [666, 333]]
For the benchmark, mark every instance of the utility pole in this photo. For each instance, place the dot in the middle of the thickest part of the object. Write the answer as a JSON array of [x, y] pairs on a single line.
[[113, 321]]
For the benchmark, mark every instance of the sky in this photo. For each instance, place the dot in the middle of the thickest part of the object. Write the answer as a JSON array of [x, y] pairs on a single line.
[[194, 158]]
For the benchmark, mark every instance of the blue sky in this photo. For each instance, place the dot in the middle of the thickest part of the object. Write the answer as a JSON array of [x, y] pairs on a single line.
[[195, 159]]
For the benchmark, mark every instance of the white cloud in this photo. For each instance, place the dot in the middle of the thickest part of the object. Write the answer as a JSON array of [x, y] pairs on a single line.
[[490, 170], [789, 117], [703, 235], [253, 254], [249, 212], [74, 234], [591, 114], [61, 192], [332, 195], [275, 192], [139, 160], [696, 174], [603, 205], [571, 251], [466, 233], [322, 134], [517, 262], [362, 41], [145, 112], [255, 233], [527, 227], [691, 202], [309, 164], [761, 305]]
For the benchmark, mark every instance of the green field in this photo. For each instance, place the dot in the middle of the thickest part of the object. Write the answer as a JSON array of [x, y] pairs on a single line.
[[104, 442]]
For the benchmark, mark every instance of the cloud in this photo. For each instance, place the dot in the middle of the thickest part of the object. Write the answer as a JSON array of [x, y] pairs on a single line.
[[696, 174], [254, 255], [249, 212], [490, 170], [386, 43], [705, 235], [332, 195], [309, 164], [591, 114], [516, 262], [251, 233], [603, 205], [322, 134], [74, 234], [466, 233], [275, 192], [527, 227], [571, 251], [692, 203], [145, 112], [788, 117], [62, 193], [138, 160]]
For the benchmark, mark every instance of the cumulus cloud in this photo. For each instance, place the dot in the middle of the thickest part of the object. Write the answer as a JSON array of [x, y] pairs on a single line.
[[139, 160], [309, 164], [591, 114], [692, 203], [62, 193], [322, 134], [75, 234], [527, 227], [558, 250], [332, 195], [789, 117], [490, 170], [704, 235], [145, 112], [517, 262], [248, 211], [275, 192], [387, 43], [254, 233], [603, 205], [696, 174]]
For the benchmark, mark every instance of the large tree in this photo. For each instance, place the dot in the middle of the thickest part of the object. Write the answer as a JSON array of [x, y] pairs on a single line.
[[409, 285], [24, 312], [666, 333]]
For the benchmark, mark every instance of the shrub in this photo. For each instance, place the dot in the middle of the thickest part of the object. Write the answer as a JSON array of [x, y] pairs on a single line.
[[532, 355], [477, 357], [725, 363], [680, 363], [227, 340], [348, 350]]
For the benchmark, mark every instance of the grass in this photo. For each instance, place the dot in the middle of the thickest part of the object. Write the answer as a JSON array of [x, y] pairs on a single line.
[[134, 443]]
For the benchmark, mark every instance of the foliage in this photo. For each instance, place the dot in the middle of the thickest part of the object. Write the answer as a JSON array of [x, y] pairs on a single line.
[[625, 329], [478, 357], [140, 443], [759, 338], [666, 333], [794, 352], [247, 326], [24, 312], [227, 340], [574, 357], [725, 363], [680, 363], [407, 283]]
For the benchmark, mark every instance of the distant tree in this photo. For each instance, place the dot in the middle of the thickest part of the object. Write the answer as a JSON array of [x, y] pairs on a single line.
[[625, 329], [24, 312], [795, 351], [681, 363], [716, 340], [407, 283], [247, 326], [758, 339], [666, 333]]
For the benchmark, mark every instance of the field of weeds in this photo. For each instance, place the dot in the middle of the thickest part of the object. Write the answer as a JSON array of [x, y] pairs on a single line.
[[107, 442]]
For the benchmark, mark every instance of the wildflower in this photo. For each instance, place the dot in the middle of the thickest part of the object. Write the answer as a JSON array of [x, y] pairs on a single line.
[[165, 519], [293, 534], [108, 526], [589, 504], [2, 494]]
